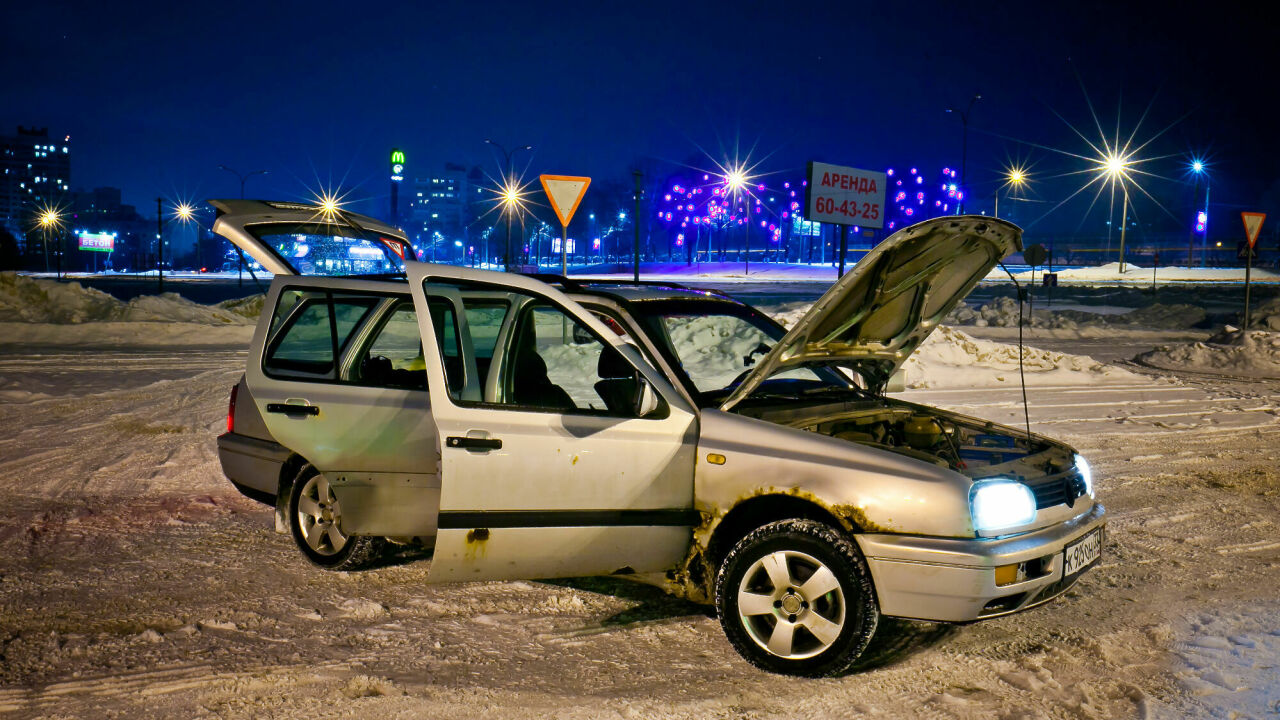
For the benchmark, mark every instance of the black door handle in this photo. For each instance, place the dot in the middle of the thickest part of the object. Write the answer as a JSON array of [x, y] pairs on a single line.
[[471, 443], [293, 410]]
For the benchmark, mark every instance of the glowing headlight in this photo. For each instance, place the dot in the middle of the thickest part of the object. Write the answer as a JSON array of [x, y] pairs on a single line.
[[1000, 504], [1086, 472]]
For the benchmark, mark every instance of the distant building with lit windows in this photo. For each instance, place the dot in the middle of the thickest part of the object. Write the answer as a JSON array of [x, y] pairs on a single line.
[[35, 172], [440, 204]]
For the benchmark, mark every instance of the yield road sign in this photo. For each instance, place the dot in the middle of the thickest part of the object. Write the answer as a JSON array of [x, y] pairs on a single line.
[[1252, 225], [565, 193]]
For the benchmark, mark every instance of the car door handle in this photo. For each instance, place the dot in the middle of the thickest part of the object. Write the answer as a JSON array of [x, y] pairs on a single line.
[[473, 443], [293, 410]]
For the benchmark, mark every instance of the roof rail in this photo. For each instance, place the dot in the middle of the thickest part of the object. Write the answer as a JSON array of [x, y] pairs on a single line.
[[554, 279]]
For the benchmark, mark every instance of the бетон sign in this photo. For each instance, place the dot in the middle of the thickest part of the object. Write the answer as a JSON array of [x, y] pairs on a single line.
[[845, 196]]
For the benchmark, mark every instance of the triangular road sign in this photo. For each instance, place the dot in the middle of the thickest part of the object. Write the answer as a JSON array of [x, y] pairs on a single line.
[[1252, 225], [565, 193]]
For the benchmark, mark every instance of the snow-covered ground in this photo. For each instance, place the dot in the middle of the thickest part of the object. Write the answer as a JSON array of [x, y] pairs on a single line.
[[134, 581], [1108, 274]]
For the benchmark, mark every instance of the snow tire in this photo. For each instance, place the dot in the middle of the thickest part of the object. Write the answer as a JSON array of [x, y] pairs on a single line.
[[356, 553], [780, 558]]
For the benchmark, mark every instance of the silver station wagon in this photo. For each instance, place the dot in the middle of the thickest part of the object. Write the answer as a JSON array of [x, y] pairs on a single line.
[[531, 429]]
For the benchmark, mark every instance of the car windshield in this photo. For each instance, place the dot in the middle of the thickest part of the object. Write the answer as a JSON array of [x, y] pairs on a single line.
[[716, 344], [325, 249]]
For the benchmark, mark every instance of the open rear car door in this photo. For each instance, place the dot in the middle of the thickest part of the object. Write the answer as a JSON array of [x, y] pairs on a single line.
[[298, 239]]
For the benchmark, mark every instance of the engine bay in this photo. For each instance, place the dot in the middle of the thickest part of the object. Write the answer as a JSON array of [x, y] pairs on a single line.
[[967, 445]]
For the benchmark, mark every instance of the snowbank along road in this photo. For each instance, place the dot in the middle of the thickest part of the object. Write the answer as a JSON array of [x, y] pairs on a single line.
[[134, 581]]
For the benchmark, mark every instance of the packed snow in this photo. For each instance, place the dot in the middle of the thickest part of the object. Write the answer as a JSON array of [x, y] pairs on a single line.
[[136, 582], [1109, 273], [952, 358], [1252, 353]]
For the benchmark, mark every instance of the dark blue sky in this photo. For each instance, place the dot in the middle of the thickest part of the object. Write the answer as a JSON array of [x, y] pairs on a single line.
[[156, 95]]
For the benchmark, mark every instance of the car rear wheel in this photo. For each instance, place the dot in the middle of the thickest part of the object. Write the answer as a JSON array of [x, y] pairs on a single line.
[[315, 519], [796, 597]]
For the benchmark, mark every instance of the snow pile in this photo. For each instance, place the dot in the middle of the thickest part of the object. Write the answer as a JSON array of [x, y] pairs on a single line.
[[1110, 273], [1255, 353], [247, 307], [33, 300], [1003, 312], [950, 358], [1266, 316]]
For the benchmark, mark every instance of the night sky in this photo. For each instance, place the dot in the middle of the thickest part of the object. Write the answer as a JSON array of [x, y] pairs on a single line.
[[156, 95]]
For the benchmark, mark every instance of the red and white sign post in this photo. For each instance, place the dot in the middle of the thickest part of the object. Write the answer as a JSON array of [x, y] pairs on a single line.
[[565, 194], [1252, 226], [846, 197]]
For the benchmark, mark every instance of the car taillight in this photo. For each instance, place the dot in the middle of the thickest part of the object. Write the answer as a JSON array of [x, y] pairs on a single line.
[[231, 410]]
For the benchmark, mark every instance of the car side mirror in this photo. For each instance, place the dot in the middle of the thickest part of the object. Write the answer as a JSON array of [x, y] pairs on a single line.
[[647, 399], [897, 382]]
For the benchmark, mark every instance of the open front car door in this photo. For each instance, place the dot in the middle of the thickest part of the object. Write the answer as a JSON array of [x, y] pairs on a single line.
[[562, 451]]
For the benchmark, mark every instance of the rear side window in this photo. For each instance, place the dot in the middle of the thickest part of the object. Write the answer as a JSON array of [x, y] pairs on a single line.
[[310, 328]]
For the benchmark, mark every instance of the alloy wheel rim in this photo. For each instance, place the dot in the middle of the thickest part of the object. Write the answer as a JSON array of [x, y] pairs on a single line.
[[791, 604], [320, 517]]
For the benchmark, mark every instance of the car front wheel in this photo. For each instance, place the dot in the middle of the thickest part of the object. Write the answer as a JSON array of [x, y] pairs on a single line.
[[315, 519], [796, 597]]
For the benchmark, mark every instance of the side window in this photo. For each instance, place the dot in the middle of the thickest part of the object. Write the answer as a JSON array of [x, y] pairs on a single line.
[[545, 361], [394, 358], [555, 363], [310, 329], [445, 321], [484, 322]]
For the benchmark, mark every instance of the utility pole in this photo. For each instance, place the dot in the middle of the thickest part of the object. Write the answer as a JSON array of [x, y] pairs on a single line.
[[635, 220], [160, 244], [1124, 223], [242, 179], [964, 151]]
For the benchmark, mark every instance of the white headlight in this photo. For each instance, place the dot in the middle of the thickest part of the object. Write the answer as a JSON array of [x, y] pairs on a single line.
[[1086, 472], [1001, 504]]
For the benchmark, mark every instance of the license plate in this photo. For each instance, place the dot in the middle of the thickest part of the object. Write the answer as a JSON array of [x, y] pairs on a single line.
[[1082, 553]]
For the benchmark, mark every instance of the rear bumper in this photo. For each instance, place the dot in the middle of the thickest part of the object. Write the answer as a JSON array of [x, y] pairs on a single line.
[[953, 580], [252, 463]]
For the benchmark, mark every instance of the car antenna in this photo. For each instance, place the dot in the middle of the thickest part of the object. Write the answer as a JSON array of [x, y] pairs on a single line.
[[1026, 413]]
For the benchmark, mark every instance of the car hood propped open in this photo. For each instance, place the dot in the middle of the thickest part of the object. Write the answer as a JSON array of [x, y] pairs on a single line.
[[875, 316]]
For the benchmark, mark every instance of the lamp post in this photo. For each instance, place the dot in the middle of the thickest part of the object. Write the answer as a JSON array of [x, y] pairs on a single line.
[[50, 219], [185, 213], [736, 181], [1014, 177], [1197, 169], [242, 178], [964, 149], [508, 181]]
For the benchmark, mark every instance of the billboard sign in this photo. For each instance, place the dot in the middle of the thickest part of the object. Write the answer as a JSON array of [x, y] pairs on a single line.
[[845, 196], [97, 242]]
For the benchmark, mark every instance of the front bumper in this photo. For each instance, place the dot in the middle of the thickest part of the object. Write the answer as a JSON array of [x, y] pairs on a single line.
[[953, 580]]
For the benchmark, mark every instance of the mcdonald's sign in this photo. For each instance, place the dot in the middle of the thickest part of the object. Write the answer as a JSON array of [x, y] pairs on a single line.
[[397, 164]]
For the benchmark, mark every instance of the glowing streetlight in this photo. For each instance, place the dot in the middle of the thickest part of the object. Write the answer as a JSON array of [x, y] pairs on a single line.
[[1201, 224], [328, 203], [50, 220], [1114, 166], [1013, 177]]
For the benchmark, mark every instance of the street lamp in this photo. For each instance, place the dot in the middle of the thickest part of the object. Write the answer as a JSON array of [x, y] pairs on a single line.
[[1197, 170], [735, 180], [964, 149], [242, 178], [51, 219], [1013, 177], [509, 187], [1115, 167]]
